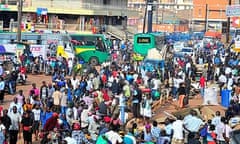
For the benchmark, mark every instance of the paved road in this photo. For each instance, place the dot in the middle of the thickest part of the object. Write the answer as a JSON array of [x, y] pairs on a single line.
[[31, 79]]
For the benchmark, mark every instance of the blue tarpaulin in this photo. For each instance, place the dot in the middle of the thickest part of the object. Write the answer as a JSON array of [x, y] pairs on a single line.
[[2, 49]]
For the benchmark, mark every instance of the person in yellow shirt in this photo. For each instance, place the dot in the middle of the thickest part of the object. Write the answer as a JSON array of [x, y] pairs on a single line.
[[27, 106], [56, 100]]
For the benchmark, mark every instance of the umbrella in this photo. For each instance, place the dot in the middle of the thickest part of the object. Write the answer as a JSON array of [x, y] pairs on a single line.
[[2, 49]]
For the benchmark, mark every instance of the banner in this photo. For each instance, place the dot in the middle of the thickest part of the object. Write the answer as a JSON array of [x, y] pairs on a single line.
[[233, 10], [38, 50]]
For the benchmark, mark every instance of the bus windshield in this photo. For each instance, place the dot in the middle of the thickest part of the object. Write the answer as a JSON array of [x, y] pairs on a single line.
[[146, 41]]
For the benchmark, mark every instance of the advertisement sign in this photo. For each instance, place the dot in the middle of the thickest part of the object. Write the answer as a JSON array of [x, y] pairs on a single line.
[[42, 11], [233, 10], [236, 22], [11, 48], [38, 50], [4, 7], [236, 47]]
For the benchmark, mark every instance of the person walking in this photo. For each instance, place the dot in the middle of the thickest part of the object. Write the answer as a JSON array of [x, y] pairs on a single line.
[[202, 84], [182, 95], [178, 129], [2, 86], [15, 126], [26, 124]]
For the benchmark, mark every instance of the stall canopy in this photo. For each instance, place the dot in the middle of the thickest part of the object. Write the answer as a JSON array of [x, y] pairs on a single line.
[[2, 49]]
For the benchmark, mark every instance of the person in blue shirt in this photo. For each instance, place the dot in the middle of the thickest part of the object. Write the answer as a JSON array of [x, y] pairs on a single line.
[[2, 86], [1, 69], [129, 138], [45, 115], [155, 131]]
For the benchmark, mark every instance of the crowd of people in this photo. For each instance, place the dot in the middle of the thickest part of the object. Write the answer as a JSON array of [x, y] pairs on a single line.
[[96, 106]]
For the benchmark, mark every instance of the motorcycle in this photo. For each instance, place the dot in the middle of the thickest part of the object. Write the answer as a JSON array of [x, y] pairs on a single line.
[[22, 75], [21, 78], [35, 68], [48, 70]]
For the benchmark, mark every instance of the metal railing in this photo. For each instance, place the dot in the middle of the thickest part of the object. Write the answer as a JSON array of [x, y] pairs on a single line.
[[70, 4], [52, 26]]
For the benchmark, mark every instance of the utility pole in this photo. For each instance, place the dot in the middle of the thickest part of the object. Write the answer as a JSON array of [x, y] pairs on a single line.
[[145, 16], [228, 25], [20, 6], [206, 18], [150, 15]]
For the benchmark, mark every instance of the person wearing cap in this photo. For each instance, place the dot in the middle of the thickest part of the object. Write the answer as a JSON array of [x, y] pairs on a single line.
[[78, 135], [51, 123], [104, 127], [147, 136]]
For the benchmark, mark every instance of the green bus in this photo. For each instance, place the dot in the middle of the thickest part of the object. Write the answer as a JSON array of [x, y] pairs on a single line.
[[91, 48], [145, 41]]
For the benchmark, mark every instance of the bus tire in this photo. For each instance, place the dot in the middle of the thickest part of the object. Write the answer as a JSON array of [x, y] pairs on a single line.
[[93, 61]]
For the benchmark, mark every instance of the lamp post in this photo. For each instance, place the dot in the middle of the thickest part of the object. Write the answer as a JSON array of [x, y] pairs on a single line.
[[20, 6]]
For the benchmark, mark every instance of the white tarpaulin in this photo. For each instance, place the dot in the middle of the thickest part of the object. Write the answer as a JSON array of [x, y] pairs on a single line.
[[154, 54], [210, 96]]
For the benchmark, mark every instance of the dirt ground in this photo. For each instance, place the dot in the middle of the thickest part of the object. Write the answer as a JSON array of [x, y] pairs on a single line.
[[160, 113]]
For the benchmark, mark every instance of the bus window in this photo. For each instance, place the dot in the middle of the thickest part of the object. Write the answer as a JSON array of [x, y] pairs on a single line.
[[100, 45]]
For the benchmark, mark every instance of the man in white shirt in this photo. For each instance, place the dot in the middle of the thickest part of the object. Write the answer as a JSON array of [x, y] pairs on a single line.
[[113, 137], [74, 82], [178, 131], [217, 119], [220, 130], [193, 124], [36, 113], [15, 125], [228, 70], [15, 103], [227, 132], [70, 66], [188, 69]]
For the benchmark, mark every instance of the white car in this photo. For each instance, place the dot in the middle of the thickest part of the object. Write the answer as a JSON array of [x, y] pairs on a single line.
[[178, 46], [187, 51]]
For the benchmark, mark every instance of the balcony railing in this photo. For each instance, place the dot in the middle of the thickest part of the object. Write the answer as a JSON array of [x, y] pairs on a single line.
[[66, 4], [54, 27]]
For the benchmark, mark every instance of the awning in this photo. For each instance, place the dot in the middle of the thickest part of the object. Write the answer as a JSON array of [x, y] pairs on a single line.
[[2, 49]]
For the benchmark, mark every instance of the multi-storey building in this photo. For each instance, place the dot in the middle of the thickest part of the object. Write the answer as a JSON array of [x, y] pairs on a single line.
[[211, 13], [166, 14], [73, 14]]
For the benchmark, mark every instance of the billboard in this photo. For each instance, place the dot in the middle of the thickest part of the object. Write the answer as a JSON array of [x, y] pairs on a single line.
[[233, 10]]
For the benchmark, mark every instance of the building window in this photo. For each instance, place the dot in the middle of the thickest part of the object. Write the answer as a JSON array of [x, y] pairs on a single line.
[[106, 2]]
